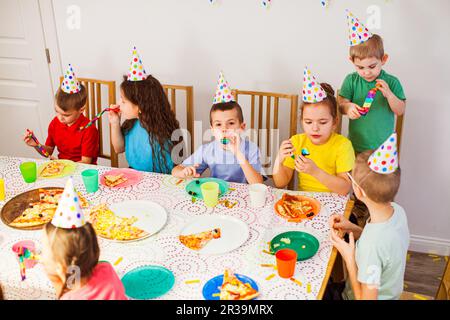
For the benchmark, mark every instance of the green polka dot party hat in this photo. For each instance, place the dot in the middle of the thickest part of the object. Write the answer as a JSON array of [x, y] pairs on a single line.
[[69, 214], [137, 70]]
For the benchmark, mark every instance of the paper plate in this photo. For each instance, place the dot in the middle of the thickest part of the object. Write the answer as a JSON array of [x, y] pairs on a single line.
[[148, 282], [151, 216], [133, 177], [69, 168], [234, 232], [305, 244], [314, 203], [193, 187], [212, 287]]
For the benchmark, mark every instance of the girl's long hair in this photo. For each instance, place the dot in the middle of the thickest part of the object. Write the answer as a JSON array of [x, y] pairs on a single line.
[[74, 247], [155, 116]]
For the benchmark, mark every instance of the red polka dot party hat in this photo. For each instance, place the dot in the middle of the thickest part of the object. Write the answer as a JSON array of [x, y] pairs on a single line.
[[385, 159], [69, 214], [358, 33], [223, 91], [137, 71], [312, 91], [70, 83]]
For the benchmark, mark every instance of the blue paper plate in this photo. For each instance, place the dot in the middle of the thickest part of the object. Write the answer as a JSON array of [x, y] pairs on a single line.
[[213, 286], [148, 282], [193, 187]]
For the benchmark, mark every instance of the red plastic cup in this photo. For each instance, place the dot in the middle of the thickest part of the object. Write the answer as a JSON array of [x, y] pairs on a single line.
[[286, 260], [30, 245]]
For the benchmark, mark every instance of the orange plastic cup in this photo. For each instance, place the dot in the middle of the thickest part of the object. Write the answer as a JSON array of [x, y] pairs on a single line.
[[286, 260]]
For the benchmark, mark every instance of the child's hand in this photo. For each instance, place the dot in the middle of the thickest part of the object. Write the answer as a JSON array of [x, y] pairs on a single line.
[[286, 150], [340, 223], [384, 88], [305, 165], [113, 116], [234, 143], [190, 172], [30, 142], [347, 250], [352, 111]]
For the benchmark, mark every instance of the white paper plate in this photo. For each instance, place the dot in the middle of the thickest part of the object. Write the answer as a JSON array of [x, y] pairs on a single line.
[[151, 216], [234, 232]]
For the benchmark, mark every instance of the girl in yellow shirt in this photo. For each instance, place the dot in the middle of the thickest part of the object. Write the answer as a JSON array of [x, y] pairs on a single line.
[[327, 156]]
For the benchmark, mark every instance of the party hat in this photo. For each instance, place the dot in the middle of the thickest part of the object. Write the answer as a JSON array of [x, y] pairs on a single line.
[[70, 83], [223, 91], [358, 33], [69, 215], [385, 159], [137, 71], [312, 91]]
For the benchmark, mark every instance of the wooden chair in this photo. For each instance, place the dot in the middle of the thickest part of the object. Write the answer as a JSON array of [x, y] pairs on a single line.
[[94, 105], [171, 92], [444, 288], [271, 121]]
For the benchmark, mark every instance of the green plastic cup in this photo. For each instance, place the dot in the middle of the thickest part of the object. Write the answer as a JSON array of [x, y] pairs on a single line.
[[28, 171], [90, 180], [210, 193]]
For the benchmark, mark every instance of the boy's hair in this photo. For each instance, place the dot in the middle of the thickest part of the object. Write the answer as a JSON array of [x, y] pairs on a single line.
[[368, 49], [71, 101], [329, 101], [224, 106], [74, 247], [380, 188]]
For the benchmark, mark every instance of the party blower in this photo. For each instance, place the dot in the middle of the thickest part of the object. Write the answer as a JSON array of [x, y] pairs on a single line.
[[39, 145], [98, 116]]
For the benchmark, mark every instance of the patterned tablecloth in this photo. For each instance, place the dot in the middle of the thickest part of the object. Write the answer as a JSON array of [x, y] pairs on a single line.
[[164, 247]]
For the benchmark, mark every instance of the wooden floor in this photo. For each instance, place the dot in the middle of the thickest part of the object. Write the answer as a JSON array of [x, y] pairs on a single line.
[[423, 273]]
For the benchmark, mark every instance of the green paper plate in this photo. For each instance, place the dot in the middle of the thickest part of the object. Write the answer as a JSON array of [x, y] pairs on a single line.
[[305, 244], [193, 187], [68, 169], [148, 282]]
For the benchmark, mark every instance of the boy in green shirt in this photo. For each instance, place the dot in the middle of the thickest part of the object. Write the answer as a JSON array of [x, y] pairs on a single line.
[[367, 132]]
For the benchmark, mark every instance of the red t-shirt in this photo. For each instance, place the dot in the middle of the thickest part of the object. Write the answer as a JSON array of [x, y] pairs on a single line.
[[104, 284], [73, 143]]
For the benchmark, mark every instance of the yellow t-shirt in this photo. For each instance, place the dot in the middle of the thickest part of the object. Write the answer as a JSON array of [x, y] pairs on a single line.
[[335, 156]]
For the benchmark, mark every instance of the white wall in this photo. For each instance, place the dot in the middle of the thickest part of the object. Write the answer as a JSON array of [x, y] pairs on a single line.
[[188, 42]]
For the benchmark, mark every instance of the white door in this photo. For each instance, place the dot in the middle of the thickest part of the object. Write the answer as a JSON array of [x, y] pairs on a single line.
[[26, 97]]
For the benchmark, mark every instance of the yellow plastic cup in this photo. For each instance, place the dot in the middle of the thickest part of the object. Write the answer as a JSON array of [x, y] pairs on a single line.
[[210, 193], [2, 189]]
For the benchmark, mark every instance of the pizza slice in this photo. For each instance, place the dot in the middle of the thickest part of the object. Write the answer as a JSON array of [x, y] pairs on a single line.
[[198, 240], [37, 214], [52, 168], [114, 180], [234, 289], [52, 196]]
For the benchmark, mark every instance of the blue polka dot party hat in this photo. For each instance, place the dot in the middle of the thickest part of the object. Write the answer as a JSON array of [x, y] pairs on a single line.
[[357, 32], [312, 91], [70, 83], [385, 159], [69, 214], [137, 71], [223, 91]]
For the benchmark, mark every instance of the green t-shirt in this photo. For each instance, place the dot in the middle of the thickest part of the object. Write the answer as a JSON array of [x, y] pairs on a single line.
[[381, 256], [371, 130]]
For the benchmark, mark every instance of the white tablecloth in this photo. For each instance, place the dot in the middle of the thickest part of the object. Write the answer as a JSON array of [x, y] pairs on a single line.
[[164, 247]]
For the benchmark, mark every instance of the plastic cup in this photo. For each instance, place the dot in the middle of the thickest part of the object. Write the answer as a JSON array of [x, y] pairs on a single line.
[[286, 260], [2, 189], [30, 245], [258, 192], [90, 180], [28, 171], [210, 193]]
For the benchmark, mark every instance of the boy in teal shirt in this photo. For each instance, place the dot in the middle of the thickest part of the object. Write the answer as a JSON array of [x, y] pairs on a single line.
[[367, 132]]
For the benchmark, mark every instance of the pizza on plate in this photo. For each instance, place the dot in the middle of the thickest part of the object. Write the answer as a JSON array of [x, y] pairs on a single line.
[[108, 225], [293, 207], [52, 196], [234, 289], [114, 180], [198, 240], [53, 168]]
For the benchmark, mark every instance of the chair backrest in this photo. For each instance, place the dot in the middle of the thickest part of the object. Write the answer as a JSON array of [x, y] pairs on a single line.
[[94, 105], [171, 93], [271, 102]]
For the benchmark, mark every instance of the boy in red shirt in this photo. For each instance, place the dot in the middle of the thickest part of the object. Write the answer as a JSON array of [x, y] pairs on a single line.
[[64, 130]]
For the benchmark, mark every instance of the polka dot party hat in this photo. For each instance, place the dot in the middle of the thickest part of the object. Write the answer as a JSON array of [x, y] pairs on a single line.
[[385, 159], [137, 71], [223, 91], [312, 91], [358, 33], [70, 83], [69, 215]]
